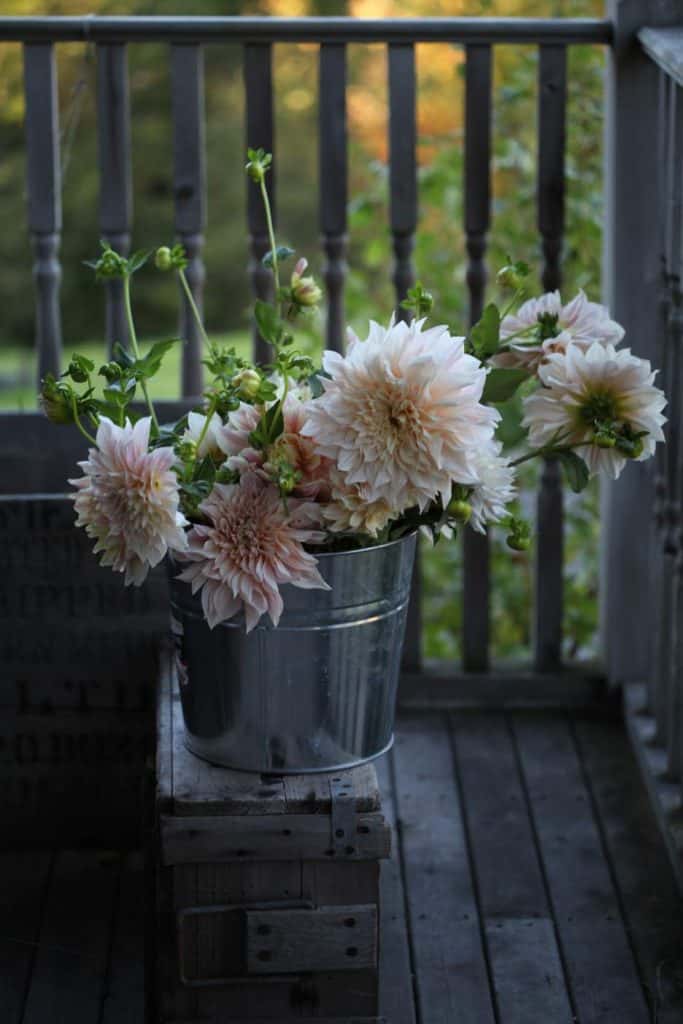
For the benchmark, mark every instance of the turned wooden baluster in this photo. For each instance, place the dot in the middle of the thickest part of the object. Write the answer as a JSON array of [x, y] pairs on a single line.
[[114, 158], [44, 199], [259, 90], [403, 217], [477, 185], [548, 605], [333, 185], [189, 191]]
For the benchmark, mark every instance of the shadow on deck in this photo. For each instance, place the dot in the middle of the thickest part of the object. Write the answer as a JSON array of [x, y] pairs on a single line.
[[528, 885]]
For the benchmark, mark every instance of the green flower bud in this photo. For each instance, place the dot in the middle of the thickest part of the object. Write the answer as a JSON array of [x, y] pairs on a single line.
[[305, 292], [460, 510], [248, 383], [604, 440], [55, 400], [187, 450], [162, 258], [258, 164], [518, 542]]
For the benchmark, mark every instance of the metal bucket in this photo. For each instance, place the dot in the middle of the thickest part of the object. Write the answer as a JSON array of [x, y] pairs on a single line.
[[315, 694]]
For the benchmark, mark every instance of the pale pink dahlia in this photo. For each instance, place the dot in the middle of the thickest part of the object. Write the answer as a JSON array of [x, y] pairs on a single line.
[[555, 326], [598, 393], [292, 447], [494, 489], [128, 500], [196, 422], [251, 545], [402, 414], [350, 510]]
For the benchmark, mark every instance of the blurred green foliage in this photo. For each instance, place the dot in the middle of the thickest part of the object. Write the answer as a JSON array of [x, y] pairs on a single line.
[[440, 245]]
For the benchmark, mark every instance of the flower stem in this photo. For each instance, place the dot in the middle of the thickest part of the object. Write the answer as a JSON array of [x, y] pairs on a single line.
[[78, 423], [193, 306], [271, 235], [205, 429], [136, 347], [513, 300]]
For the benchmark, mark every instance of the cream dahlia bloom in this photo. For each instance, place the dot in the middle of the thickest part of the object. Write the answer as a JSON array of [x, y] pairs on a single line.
[[251, 545], [580, 321], [495, 487], [128, 500], [351, 511], [401, 414], [209, 444], [292, 446], [582, 388]]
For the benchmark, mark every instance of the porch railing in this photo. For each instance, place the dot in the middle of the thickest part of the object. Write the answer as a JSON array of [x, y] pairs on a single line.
[[40, 38]]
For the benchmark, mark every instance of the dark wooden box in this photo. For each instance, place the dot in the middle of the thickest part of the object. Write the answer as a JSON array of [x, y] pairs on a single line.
[[267, 889]]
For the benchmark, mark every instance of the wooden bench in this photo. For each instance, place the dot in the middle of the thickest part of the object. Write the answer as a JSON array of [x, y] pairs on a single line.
[[267, 888]]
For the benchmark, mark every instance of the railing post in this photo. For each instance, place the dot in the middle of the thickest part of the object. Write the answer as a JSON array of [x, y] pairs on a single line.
[[631, 277]]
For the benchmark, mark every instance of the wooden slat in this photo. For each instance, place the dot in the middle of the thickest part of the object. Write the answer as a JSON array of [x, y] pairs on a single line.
[[124, 991], [116, 189], [552, 102], [652, 902], [451, 970], [333, 186], [441, 687], [68, 976], [342, 938], [526, 962], [396, 995], [599, 961], [189, 191], [44, 198], [477, 189], [403, 217], [23, 880], [260, 134]]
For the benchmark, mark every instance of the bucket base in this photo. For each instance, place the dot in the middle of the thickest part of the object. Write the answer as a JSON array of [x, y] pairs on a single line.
[[260, 770]]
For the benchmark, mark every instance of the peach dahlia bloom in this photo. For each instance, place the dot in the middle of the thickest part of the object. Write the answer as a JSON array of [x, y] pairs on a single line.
[[251, 544], [128, 501], [495, 488], [401, 414], [600, 384], [349, 509], [579, 321]]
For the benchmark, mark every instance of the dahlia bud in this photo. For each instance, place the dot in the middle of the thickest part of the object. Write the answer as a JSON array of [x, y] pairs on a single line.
[[162, 258], [604, 440], [55, 399], [258, 164], [248, 383], [512, 275], [517, 542], [305, 292], [187, 450], [460, 510]]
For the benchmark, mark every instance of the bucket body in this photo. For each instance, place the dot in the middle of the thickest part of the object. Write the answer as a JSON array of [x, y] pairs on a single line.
[[318, 692]]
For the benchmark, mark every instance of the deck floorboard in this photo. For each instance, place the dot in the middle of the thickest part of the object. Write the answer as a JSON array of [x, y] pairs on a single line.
[[527, 883]]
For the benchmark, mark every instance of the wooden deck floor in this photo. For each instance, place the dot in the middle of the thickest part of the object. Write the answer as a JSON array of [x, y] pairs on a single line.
[[528, 886]]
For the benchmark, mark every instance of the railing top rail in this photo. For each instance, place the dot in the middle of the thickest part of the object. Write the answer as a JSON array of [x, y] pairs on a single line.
[[665, 47], [315, 30]]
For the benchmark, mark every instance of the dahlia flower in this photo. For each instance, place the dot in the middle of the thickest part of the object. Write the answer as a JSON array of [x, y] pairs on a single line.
[[349, 509], [495, 487], [291, 446], [195, 426], [580, 321], [128, 500], [594, 393], [251, 544], [401, 414]]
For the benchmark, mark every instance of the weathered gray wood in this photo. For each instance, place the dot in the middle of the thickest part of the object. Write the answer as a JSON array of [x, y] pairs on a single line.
[[450, 963], [189, 193], [436, 687], [665, 47], [260, 134], [477, 202], [116, 186], [631, 276], [526, 962], [268, 837], [653, 905], [23, 881], [333, 186], [68, 975], [124, 989], [597, 953], [664, 794], [396, 995], [548, 597], [403, 218], [43, 179], [323, 939]]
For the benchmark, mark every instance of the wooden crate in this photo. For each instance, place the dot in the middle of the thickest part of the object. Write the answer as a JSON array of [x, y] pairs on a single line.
[[267, 888]]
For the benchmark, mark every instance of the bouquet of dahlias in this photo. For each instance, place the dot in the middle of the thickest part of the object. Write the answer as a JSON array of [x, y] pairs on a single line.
[[287, 460]]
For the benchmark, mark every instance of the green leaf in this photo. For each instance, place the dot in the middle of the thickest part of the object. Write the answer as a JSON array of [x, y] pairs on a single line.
[[138, 260], [575, 469], [205, 470], [151, 361], [315, 383], [502, 383], [122, 355], [484, 336], [268, 321], [283, 253]]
